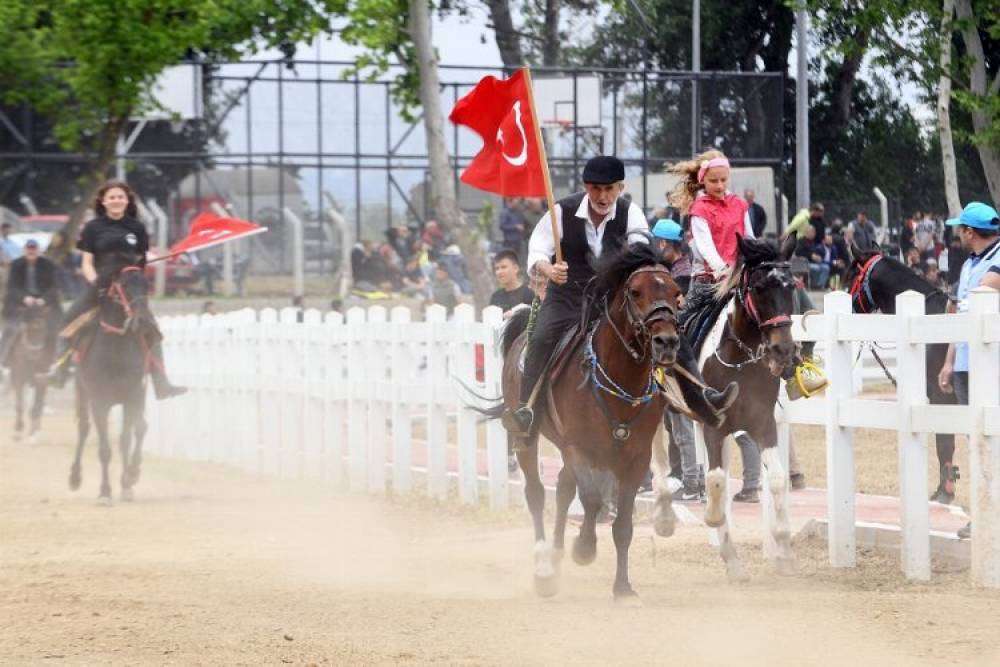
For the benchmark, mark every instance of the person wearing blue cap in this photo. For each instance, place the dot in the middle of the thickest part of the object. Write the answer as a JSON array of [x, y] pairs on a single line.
[[669, 239], [978, 228]]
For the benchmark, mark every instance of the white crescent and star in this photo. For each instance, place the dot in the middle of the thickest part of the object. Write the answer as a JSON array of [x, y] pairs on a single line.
[[520, 159]]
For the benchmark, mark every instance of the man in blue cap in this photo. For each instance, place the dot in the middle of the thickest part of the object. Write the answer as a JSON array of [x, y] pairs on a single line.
[[33, 283], [978, 228]]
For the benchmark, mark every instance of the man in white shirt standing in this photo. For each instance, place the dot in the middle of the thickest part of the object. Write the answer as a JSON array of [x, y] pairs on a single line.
[[589, 223]]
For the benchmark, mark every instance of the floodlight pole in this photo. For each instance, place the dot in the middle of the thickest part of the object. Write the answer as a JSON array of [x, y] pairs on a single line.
[[695, 68], [124, 145], [802, 195]]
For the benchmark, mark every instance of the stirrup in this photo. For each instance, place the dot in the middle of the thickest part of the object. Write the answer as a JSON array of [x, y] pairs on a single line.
[[808, 380]]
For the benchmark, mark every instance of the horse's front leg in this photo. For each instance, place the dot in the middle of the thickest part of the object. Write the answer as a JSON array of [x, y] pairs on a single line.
[[717, 492], [38, 407], [100, 414], [18, 408], [664, 518], [621, 530], [588, 485], [777, 486], [565, 492], [82, 430], [125, 447]]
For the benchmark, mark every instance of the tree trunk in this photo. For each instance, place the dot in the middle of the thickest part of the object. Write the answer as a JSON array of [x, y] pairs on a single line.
[[90, 182], [443, 198], [979, 86], [550, 34], [507, 38], [944, 114]]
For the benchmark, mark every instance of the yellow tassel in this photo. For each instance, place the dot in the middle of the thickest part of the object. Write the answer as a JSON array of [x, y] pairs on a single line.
[[800, 371]]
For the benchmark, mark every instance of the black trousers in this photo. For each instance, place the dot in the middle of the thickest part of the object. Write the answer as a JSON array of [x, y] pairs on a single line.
[[559, 311], [89, 298]]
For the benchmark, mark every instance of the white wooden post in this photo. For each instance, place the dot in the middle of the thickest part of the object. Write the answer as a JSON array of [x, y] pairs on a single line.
[[437, 423], [335, 392], [270, 421], [377, 339], [356, 406], [839, 440], [984, 451], [402, 382], [313, 404], [464, 368], [911, 395], [496, 435]]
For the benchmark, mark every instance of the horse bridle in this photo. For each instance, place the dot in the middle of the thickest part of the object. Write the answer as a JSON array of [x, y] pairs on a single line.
[[745, 297], [117, 295], [660, 310]]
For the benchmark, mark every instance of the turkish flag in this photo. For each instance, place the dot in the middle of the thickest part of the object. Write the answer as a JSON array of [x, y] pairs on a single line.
[[499, 110], [209, 229]]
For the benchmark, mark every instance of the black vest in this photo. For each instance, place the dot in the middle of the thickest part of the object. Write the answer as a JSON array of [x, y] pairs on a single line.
[[575, 251]]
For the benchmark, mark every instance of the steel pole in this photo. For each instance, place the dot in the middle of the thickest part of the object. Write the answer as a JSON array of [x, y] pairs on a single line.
[[802, 196], [695, 68]]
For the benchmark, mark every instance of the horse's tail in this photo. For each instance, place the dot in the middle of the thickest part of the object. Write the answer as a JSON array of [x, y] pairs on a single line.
[[512, 328]]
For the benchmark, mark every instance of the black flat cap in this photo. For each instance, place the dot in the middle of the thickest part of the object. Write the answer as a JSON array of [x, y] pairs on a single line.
[[604, 170]]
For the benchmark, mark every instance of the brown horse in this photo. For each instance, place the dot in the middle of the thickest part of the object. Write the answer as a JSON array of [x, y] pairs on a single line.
[[31, 355], [750, 343], [602, 409]]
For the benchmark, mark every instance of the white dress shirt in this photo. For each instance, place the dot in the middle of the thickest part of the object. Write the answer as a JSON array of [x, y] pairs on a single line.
[[705, 257], [542, 246]]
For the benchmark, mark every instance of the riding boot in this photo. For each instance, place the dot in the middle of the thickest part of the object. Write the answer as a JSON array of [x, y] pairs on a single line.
[[945, 492], [518, 421], [806, 378], [158, 373], [708, 405]]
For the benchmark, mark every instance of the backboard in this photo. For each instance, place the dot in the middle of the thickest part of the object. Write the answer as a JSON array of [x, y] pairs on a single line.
[[554, 100], [178, 90]]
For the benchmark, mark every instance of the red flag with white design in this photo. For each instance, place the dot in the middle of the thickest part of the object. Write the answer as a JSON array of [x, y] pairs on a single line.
[[500, 111], [209, 229]]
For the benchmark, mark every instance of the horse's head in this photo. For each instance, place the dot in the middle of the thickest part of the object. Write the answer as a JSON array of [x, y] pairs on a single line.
[[33, 330], [130, 291], [766, 292], [642, 298]]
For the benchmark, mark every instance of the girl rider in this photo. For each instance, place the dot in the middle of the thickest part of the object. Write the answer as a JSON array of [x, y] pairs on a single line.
[[718, 217], [110, 242]]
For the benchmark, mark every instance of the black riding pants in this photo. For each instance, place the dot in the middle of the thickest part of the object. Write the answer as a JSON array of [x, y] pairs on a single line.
[[559, 311]]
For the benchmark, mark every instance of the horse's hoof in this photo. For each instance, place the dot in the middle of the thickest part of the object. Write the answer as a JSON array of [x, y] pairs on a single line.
[[74, 480], [133, 476], [736, 574], [104, 501], [546, 587], [786, 566], [128, 495], [17, 436], [626, 597], [584, 551]]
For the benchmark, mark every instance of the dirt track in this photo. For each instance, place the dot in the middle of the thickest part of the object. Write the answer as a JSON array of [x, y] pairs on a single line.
[[213, 567]]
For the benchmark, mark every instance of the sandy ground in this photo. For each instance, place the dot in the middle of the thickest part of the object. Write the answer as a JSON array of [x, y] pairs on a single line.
[[210, 566]]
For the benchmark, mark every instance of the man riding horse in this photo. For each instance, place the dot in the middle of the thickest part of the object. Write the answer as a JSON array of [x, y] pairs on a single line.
[[113, 241], [32, 284], [591, 223]]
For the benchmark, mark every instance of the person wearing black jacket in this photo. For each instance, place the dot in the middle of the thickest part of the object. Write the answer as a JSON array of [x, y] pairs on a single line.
[[758, 216], [33, 282], [112, 241]]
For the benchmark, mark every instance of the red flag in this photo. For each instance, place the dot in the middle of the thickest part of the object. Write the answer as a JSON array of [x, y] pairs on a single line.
[[499, 111], [209, 229]]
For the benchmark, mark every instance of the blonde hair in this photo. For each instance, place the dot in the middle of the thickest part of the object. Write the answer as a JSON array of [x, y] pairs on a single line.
[[687, 188]]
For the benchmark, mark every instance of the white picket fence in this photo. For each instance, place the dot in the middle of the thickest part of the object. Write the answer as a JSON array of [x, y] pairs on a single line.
[[373, 401]]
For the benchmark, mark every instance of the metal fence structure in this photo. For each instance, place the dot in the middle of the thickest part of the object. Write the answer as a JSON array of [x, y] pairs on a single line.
[[313, 136]]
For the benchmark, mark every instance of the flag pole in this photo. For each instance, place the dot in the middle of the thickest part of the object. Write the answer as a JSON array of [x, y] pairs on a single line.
[[543, 158]]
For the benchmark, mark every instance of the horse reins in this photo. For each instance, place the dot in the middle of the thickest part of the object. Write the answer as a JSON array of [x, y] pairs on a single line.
[[861, 289], [659, 310], [117, 294]]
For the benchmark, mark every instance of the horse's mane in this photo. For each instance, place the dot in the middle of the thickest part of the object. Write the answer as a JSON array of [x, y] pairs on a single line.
[[614, 269], [753, 252]]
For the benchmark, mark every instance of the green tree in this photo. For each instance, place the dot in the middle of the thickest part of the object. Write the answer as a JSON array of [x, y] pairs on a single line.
[[87, 65]]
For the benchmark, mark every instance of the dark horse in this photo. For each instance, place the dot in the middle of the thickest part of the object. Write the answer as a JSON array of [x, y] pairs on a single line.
[[112, 371], [751, 344], [30, 357], [602, 409], [875, 281]]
